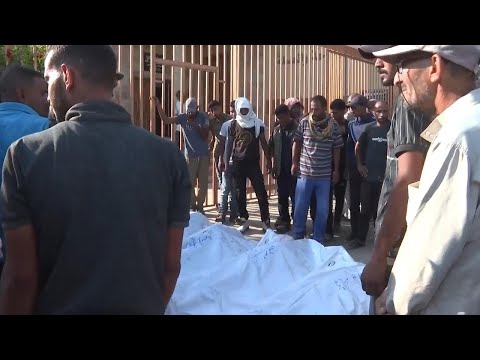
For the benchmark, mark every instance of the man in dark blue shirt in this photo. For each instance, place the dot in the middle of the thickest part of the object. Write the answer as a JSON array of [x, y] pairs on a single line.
[[23, 111], [356, 127], [195, 127]]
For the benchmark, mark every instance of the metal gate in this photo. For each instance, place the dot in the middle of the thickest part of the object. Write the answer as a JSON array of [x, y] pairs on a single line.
[[265, 74], [171, 78]]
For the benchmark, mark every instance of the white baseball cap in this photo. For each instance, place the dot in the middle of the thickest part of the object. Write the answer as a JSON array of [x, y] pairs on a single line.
[[467, 56]]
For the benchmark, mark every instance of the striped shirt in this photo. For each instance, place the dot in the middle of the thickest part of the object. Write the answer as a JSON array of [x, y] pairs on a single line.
[[404, 136], [316, 154]]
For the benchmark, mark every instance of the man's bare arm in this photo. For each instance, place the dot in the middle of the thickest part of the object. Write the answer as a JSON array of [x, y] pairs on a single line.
[[360, 156], [410, 165], [297, 146], [266, 151], [19, 283], [166, 119], [229, 150], [212, 141], [373, 277], [172, 261]]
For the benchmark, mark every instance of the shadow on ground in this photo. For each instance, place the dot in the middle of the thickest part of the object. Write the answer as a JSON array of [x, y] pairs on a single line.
[[255, 232]]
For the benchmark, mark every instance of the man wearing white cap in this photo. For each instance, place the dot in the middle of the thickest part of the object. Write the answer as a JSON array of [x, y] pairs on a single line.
[[436, 270]]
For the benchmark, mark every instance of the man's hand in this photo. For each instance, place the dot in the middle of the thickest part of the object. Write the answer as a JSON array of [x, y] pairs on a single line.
[[381, 305], [335, 176], [362, 169], [295, 169], [374, 277], [269, 166]]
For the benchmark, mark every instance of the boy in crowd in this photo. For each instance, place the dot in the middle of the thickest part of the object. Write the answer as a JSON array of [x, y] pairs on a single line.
[[280, 144]]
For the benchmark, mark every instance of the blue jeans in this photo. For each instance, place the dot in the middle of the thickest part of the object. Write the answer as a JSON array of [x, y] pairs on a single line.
[[303, 196], [227, 188]]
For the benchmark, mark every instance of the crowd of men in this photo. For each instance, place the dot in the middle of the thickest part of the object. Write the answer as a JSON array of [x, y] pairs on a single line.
[[312, 157], [93, 208]]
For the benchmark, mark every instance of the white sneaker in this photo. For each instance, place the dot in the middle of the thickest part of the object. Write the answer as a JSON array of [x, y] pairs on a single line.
[[243, 225]]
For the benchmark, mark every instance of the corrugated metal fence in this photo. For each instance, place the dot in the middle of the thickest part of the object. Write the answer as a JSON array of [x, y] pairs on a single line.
[[265, 74]]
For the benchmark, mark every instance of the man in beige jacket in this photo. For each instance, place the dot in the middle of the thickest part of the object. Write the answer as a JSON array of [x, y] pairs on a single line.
[[437, 267]]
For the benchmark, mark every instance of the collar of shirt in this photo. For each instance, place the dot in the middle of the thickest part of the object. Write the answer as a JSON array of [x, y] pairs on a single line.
[[361, 120], [98, 111], [465, 102]]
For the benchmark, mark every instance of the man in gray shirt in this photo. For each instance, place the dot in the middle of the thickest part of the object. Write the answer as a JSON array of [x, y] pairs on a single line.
[[93, 208]]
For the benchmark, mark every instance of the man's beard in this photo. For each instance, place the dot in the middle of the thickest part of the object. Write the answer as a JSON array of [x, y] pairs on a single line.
[[59, 101], [387, 82], [425, 101]]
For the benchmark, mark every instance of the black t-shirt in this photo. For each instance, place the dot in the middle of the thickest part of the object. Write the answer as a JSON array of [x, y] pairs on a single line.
[[287, 141], [100, 194], [373, 143], [246, 147]]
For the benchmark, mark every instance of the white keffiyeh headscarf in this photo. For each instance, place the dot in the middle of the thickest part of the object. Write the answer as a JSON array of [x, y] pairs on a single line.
[[250, 120]]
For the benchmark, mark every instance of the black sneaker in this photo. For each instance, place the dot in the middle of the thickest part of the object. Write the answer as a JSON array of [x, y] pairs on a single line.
[[266, 225], [283, 228], [354, 244], [337, 227], [277, 223]]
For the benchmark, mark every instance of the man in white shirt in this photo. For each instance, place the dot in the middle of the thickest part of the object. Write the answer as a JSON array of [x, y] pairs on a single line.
[[436, 270]]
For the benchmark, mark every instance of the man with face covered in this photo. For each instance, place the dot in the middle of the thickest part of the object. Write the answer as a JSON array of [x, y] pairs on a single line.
[[349, 114], [93, 208], [23, 111], [405, 157], [436, 269], [245, 135], [195, 127]]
